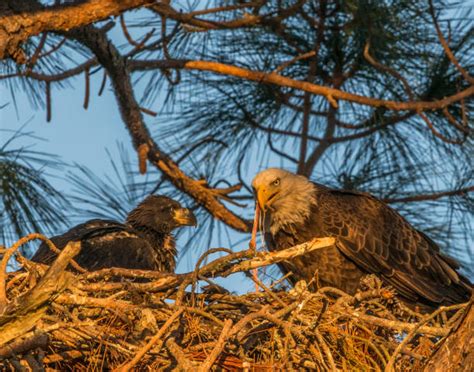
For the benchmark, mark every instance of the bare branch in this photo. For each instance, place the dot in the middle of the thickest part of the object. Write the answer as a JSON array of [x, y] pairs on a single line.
[[330, 93], [248, 20]]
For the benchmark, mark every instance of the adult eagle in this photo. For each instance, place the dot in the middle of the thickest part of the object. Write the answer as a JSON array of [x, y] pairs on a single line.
[[371, 238], [144, 241]]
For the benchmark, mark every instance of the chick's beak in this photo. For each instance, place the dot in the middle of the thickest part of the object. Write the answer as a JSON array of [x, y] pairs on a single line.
[[184, 217]]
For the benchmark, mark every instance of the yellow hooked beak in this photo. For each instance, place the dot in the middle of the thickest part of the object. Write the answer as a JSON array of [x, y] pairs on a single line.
[[264, 197]]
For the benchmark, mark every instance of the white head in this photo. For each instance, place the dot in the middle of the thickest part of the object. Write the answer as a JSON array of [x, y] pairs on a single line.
[[285, 197]]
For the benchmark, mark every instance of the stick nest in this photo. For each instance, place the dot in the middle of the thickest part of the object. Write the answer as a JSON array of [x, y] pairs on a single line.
[[59, 318]]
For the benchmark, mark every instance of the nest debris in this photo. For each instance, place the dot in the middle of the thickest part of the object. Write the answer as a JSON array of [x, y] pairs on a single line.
[[57, 319]]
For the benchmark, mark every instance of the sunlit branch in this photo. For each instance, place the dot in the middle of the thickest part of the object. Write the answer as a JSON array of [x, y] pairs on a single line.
[[273, 78], [16, 28]]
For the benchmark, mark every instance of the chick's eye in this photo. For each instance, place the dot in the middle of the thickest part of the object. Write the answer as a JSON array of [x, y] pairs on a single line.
[[276, 182]]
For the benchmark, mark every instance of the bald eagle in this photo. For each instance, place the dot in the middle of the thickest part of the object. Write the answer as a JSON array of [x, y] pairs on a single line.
[[371, 238], [144, 241]]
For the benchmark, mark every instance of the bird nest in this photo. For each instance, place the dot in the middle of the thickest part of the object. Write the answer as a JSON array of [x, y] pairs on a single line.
[[61, 317]]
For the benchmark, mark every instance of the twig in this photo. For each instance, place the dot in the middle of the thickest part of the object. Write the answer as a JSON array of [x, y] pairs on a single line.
[[433, 196], [436, 133], [86, 89], [57, 251], [293, 60], [267, 290], [333, 94], [413, 331], [53, 49], [102, 84], [204, 314], [48, 101], [326, 350], [143, 151], [38, 50], [148, 111], [196, 272], [278, 256], [125, 31], [253, 242], [29, 342], [179, 355], [8, 254], [395, 324], [447, 49], [151, 343], [105, 303], [219, 346], [390, 70]]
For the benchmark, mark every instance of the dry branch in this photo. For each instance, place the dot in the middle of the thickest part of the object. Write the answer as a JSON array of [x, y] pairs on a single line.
[[22, 314], [104, 319], [456, 351]]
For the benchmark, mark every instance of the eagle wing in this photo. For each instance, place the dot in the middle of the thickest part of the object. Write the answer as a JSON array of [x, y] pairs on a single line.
[[104, 244], [380, 241]]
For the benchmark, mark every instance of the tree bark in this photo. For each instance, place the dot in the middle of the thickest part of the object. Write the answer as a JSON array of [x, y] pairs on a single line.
[[456, 353], [30, 19]]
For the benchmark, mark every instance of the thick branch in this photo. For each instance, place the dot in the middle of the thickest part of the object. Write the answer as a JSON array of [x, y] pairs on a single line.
[[24, 312], [119, 73], [32, 19]]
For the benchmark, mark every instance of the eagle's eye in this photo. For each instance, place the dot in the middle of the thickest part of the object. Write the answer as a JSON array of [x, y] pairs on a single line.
[[276, 182]]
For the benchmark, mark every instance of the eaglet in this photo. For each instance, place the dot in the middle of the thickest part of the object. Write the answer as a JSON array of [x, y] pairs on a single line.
[[144, 241]]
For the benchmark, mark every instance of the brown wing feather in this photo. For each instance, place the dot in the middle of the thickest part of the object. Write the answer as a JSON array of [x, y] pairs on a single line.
[[105, 244], [328, 266], [78, 233], [382, 242]]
